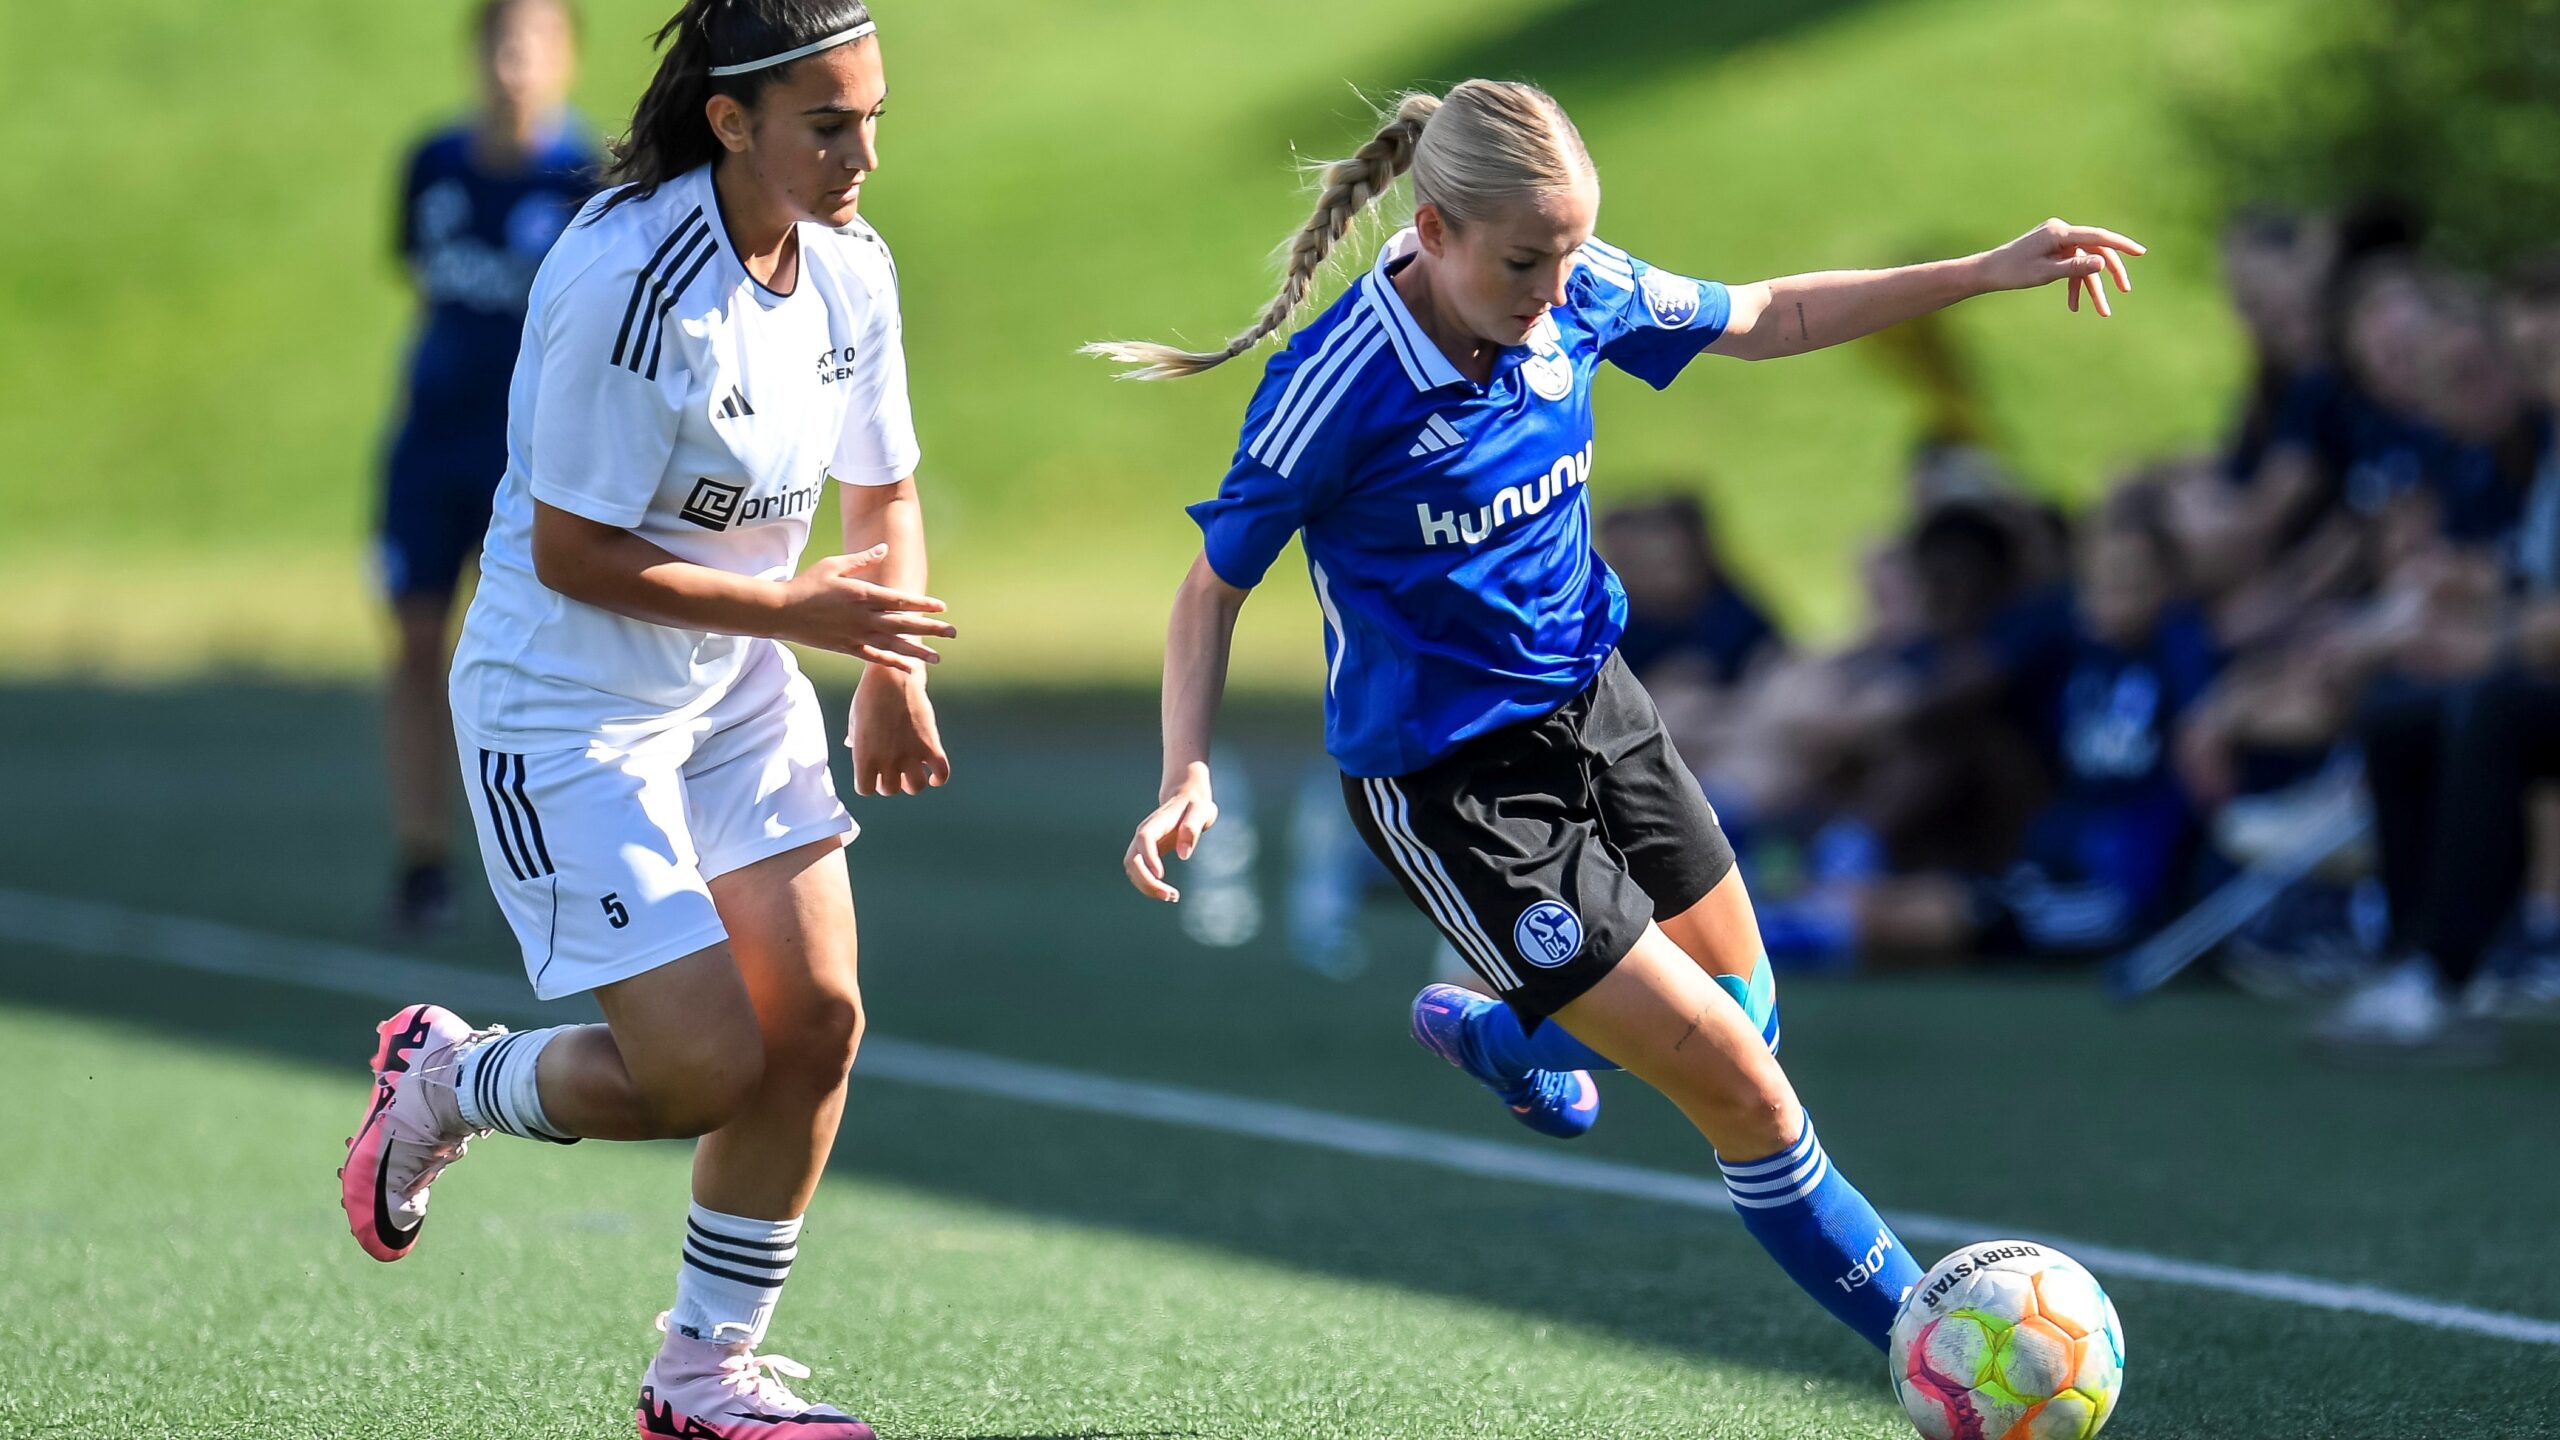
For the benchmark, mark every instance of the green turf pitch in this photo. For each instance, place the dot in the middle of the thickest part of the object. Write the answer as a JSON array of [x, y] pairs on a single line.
[[981, 1267]]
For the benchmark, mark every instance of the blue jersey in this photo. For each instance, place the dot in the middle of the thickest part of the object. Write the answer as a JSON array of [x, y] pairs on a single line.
[[472, 239], [1445, 522]]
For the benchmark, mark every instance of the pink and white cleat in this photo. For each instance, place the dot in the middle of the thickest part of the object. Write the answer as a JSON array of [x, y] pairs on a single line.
[[413, 1128], [703, 1390]]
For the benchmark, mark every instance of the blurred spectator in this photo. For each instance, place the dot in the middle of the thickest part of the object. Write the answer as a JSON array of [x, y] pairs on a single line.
[[1687, 621], [2460, 730], [2103, 859], [2278, 267], [2073, 826]]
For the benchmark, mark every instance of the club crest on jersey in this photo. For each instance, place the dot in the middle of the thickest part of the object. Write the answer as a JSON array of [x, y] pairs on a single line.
[[1548, 934], [1672, 299], [1548, 369], [1470, 527]]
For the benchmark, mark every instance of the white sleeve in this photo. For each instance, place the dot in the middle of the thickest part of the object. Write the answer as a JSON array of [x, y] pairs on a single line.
[[878, 446], [603, 424]]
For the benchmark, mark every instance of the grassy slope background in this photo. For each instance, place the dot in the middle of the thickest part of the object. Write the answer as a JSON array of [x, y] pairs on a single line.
[[200, 326]]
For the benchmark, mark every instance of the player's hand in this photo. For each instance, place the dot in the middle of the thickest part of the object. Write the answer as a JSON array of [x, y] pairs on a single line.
[[897, 747], [1176, 825], [830, 607], [2081, 256]]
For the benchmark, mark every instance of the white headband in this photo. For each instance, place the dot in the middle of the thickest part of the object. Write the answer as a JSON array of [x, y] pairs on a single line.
[[841, 37]]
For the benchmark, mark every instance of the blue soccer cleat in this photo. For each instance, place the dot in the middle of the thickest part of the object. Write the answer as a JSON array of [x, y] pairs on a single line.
[[1561, 1103]]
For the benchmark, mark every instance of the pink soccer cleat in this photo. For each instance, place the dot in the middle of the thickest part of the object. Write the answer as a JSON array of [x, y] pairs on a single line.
[[702, 1390], [413, 1128]]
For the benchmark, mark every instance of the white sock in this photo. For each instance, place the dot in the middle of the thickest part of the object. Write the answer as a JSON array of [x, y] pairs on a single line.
[[495, 1086], [731, 1276]]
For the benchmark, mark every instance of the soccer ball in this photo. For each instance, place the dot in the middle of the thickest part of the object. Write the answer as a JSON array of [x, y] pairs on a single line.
[[2008, 1340]]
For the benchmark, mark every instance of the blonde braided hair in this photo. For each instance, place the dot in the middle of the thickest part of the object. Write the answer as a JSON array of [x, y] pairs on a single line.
[[1347, 188]]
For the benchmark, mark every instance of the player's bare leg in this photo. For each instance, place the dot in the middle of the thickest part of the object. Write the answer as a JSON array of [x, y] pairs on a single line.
[[1661, 1016], [678, 1055], [1722, 935], [791, 932], [1545, 1078], [417, 723], [1720, 932], [791, 929]]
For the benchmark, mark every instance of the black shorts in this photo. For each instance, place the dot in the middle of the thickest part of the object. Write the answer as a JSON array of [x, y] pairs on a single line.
[[1543, 849]]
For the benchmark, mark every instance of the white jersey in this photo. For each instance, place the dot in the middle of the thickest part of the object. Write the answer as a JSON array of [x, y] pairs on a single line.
[[662, 390]]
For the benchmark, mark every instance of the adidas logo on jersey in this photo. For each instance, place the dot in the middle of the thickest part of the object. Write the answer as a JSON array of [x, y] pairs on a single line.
[[1437, 435], [736, 405], [1455, 527]]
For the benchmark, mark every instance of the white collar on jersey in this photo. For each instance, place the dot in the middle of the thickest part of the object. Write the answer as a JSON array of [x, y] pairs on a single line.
[[1424, 365]]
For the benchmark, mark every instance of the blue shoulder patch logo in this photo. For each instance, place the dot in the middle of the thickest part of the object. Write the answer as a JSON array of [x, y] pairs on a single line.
[[1548, 934], [1673, 299]]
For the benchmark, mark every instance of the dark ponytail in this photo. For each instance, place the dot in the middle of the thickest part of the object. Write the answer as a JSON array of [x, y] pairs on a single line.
[[669, 132]]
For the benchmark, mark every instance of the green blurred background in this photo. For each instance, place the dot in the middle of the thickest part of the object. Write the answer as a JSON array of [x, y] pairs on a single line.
[[203, 318]]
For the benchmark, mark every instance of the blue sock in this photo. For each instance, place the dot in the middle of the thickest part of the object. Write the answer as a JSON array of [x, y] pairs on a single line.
[[1824, 1234], [1495, 1031]]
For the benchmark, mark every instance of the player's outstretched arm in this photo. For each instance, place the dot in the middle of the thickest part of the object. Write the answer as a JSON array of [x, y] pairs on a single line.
[[896, 742], [1196, 645], [826, 606], [1797, 313]]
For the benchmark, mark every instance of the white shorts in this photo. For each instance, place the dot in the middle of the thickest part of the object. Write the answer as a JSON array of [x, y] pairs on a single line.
[[600, 857]]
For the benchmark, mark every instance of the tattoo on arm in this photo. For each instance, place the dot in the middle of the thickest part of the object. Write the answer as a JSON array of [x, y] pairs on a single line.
[[1803, 333]]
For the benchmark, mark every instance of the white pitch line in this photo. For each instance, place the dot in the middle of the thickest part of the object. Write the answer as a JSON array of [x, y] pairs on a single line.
[[115, 933]]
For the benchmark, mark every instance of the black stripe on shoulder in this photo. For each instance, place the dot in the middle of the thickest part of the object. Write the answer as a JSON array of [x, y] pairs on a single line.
[[685, 231], [692, 259]]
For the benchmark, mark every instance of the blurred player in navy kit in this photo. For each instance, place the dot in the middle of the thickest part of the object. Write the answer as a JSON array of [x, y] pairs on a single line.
[[481, 201]]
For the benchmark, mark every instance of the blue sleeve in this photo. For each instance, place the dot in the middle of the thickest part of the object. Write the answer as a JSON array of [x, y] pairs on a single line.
[[1649, 322], [1248, 523], [1277, 483]]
